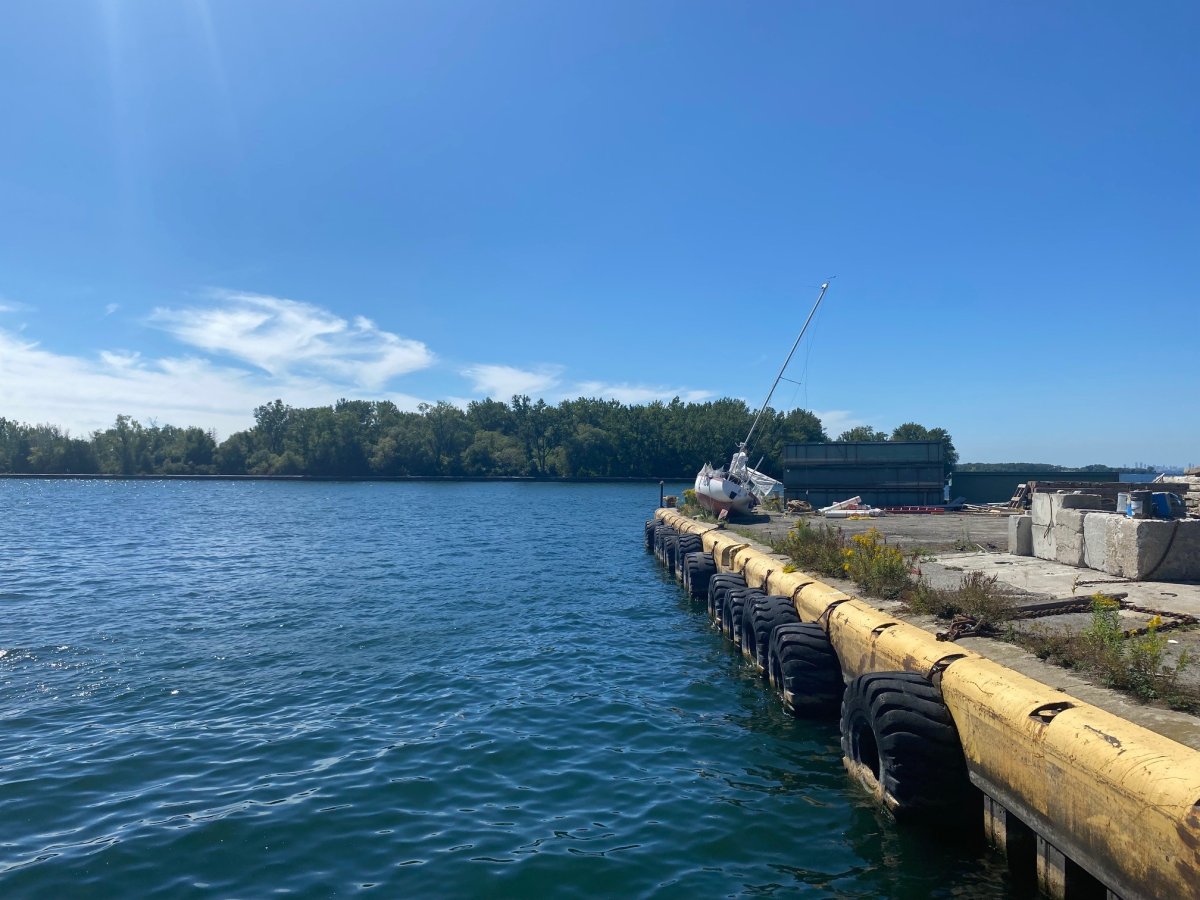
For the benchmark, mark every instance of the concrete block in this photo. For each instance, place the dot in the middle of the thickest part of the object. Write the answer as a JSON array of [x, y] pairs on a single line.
[[1020, 535], [1096, 536], [1044, 544], [1070, 545], [1041, 510], [1154, 549], [1058, 518]]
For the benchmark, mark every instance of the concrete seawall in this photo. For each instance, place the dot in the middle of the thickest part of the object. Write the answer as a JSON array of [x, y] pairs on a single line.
[[1096, 792]]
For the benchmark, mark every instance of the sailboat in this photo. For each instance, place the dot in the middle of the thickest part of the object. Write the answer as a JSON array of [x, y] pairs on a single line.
[[738, 488]]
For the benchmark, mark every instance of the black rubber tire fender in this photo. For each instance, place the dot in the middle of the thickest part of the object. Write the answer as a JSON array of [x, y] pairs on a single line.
[[717, 587], [699, 569], [736, 602], [899, 742], [759, 623], [804, 668], [670, 549], [685, 544], [651, 525], [661, 533]]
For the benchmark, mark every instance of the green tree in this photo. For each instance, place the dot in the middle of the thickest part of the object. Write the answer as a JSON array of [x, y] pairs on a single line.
[[449, 433], [799, 426], [586, 452], [231, 457], [494, 453], [406, 448], [271, 420], [911, 431], [862, 433], [538, 428], [491, 415]]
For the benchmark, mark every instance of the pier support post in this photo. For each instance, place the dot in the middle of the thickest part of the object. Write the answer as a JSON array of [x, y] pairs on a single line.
[[995, 824], [1051, 870], [1012, 837], [1061, 878]]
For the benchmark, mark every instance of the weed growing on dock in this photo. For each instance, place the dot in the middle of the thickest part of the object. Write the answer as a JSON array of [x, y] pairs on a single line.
[[691, 507], [820, 550], [875, 566], [964, 542], [1134, 663], [867, 559], [977, 595]]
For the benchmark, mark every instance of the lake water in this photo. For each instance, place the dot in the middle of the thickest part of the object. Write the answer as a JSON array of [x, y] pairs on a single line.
[[418, 690]]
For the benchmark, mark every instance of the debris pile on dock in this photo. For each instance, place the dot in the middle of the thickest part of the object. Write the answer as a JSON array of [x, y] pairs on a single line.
[[1190, 477]]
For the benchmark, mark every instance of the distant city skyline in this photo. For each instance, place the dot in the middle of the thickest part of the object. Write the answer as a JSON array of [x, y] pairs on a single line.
[[206, 206]]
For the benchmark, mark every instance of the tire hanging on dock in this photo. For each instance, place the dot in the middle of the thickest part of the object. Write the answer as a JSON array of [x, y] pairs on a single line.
[[698, 570], [670, 550], [804, 668], [759, 621], [736, 602], [899, 742], [718, 585], [685, 544], [661, 535]]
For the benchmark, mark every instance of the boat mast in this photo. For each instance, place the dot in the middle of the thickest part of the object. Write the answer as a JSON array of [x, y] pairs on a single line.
[[812, 312]]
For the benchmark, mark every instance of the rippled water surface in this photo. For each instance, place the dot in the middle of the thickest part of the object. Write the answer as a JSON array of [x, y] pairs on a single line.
[[429, 690]]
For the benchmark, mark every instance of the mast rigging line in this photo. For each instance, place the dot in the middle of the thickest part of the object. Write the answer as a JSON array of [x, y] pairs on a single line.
[[812, 312]]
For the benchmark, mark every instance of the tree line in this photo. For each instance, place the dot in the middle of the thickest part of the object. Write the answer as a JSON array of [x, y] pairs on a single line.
[[1019, 467], [577, 438]]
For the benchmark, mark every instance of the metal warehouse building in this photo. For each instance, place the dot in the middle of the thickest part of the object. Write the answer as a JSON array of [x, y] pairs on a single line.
[[883, 473]]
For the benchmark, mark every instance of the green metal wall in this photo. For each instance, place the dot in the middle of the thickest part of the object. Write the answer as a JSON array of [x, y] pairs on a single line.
[[996, 487], [883, 473]]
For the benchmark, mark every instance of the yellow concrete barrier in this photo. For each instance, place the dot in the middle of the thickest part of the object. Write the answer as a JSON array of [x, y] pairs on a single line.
[[1110, 794], [1119, 799], [868, 640]]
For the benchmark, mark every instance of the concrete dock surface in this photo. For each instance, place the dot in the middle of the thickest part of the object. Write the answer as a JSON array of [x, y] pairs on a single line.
[[951, 545]]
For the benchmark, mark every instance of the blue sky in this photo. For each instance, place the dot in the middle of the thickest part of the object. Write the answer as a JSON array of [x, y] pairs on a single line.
[[208, 204]]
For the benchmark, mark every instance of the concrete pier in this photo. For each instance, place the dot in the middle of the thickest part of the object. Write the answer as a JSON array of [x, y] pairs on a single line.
[[1105, 804]]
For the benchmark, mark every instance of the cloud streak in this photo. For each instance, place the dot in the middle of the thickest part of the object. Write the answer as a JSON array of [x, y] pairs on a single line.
[[272, 347], [290, 338], [82, 394], [546, 382], [640, 393], [502, 382]]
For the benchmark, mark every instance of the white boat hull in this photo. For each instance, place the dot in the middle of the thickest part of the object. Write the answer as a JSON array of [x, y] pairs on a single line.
[[718, 494]]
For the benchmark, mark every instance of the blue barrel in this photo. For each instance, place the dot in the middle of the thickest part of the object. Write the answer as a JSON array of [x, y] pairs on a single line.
[[1167, 505], [1141, 504]]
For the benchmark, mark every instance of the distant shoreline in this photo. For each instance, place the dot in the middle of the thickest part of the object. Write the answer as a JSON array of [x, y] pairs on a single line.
[[557, 479]]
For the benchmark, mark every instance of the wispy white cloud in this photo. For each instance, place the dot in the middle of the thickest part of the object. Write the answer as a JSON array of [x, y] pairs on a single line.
[[111, 308], [639, 393], [85, 393], [288, 338], [273, 348], [547, 382], [503, 382], [119, 360]]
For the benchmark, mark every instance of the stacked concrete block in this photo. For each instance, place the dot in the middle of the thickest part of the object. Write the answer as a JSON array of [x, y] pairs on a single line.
[[1058, 526], [1069, 545], [1191, 499], [1020, 535], [1100, 538], [1042, 514], [1145, 549]]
